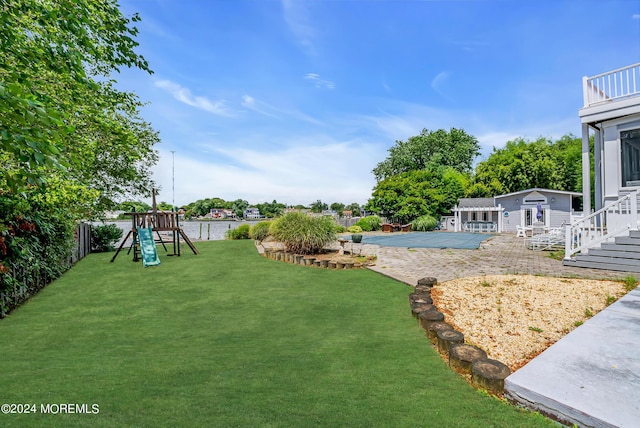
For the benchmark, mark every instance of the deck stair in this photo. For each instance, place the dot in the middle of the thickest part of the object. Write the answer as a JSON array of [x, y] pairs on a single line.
[[622, 253]]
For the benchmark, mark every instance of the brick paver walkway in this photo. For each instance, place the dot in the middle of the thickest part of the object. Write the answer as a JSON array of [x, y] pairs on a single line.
[[499, 255]]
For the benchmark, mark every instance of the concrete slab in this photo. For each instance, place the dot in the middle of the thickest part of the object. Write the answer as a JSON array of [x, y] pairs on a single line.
[[591, 377]]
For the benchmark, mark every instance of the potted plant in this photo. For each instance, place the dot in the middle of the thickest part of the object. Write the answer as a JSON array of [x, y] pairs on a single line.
[[356, 234]]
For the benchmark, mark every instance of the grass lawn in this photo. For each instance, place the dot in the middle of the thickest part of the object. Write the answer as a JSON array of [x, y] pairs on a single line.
[[229, 338]]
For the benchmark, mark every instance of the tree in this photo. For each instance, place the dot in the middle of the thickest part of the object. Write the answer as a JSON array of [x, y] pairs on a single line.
[[271, 210], [522, 164], [202, 207], [455, 149], [569, 149], [318, 206], [131, 206], [407, 196], [164, 206], [239, 206], [55, 89], [70, 143], [337, 207]]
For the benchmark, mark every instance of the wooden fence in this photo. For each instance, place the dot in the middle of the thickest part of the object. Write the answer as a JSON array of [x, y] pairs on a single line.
[[81, 242]]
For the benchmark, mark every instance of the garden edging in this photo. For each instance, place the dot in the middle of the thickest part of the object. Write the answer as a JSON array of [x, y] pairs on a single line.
[[465, 359]]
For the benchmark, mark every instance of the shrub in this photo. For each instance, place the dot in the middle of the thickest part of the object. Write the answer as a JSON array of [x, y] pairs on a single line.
[[36, 244], [369, 223], [424, 223], [260, 231], [104, 237], [340, 228], [354, 229], [302, 234], [240, 232]]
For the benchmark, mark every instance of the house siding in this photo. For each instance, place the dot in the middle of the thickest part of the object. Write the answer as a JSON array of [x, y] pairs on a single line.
[[611, 173], [513, 208], [560, 209]]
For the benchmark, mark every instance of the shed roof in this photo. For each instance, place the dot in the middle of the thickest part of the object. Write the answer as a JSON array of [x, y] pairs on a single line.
[[476, 203], [538, 189]]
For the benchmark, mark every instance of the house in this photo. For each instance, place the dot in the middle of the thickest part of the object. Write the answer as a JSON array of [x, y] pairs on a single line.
[[252, 213], [611, 114], [504, 213], [550, 208], [218, 213]]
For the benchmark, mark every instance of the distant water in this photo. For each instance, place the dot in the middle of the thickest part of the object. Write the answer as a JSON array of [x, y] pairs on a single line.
[[195, 230]]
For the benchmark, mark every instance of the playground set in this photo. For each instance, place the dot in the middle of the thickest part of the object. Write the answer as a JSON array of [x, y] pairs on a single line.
[[143, 227]]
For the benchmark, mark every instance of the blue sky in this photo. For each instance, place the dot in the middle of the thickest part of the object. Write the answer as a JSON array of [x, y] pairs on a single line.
[[298, 100]]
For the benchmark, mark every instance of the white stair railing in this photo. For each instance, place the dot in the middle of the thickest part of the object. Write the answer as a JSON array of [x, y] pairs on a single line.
[[611, 220]]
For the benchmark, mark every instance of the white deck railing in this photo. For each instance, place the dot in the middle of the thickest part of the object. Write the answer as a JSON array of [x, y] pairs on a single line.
[[612, 85], [611, 220]]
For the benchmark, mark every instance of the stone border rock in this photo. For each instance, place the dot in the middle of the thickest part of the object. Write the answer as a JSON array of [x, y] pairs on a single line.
[[303, 260], [463, 358]]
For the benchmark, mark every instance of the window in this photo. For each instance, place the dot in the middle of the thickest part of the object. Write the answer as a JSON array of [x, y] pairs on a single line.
[[630, 157]]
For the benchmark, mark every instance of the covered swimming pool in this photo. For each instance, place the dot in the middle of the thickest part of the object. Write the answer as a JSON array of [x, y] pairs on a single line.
[[458, 240]]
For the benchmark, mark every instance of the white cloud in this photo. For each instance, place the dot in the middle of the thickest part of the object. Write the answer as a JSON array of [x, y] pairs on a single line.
[[258, 106], [185, 96], [635, 16], [318, 82], [318, 168], [248, 101], [267, 109], [303, 164], [296, 16], [401, 120], [439, 83]]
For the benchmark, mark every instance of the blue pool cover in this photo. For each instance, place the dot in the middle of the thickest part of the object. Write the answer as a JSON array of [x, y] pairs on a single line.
[[458, 240]]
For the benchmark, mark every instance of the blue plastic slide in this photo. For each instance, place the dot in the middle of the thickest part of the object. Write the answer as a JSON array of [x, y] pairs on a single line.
[[148, 247]]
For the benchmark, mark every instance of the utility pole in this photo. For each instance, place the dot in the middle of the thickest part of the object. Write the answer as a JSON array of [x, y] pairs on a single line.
[[173, 179]]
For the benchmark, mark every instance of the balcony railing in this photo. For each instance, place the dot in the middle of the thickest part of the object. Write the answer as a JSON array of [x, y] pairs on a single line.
[[612, 85]]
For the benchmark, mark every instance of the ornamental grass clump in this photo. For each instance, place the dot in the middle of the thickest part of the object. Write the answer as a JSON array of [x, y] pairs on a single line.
[[424, 223], [302, 234], [240, 232], [260, 231]]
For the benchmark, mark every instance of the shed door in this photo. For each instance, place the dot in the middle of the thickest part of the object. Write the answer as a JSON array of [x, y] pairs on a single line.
[[529, 215]]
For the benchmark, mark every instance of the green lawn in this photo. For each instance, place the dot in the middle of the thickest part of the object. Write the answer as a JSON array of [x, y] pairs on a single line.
[[229, 338]]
